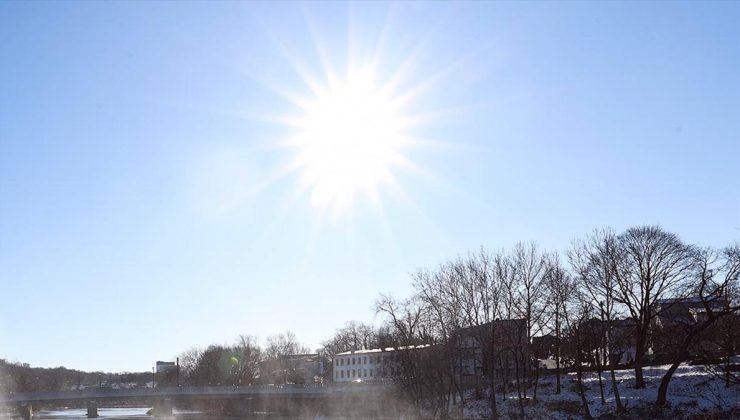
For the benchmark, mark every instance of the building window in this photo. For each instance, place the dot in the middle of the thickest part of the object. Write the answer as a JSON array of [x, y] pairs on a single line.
[[353, 373], [365, 360], [371, 373], [353, 360], [364, 373], [342, 374]]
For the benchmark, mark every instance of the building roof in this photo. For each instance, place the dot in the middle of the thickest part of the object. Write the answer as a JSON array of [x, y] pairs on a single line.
[[668, 301], [499, 323], [387, 349]]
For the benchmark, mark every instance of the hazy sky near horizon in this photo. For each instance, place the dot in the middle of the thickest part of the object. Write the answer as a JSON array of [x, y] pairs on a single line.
[[144, 203]]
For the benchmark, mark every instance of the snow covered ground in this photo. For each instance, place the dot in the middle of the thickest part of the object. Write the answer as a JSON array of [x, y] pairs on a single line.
[[693, 393]]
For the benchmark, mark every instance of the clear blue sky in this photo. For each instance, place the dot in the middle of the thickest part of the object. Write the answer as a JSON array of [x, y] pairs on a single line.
[[140, 213]]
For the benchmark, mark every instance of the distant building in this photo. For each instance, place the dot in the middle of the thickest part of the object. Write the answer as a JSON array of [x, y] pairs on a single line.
[[368, 365], [507, 338], [166, 373], [611, 341], [676, 316], [544, 346], [683, 311], [164, 367]]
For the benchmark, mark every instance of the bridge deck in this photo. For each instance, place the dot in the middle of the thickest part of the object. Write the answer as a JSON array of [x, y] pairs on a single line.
[[261, 391]]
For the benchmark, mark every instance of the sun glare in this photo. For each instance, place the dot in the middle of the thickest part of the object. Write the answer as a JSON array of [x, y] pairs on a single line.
[[350, 136]]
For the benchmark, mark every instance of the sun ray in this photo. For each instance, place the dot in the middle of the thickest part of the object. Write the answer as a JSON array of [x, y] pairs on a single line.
[[299, 67], [382, 38], [319, 47]]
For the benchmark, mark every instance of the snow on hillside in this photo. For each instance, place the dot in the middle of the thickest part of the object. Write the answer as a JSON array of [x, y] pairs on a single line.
[[693, 392]]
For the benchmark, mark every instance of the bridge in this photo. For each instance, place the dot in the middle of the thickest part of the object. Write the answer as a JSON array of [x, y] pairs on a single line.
[[162, 398]]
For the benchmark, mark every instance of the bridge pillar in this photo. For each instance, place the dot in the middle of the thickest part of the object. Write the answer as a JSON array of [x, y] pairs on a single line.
[[163, 407], [25, 411], [92, 409]]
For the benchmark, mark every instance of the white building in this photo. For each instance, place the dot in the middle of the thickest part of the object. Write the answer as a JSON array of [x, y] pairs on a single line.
[[362, 365], [368, 365]]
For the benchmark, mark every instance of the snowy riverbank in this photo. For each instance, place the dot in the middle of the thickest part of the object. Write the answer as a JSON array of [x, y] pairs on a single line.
[[693, 393]]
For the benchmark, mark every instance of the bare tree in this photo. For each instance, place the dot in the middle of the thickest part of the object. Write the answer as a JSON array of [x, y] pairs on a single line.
[[725, 335], [560, 289], [483, 300], [441, 294], [591, 260], [529, 268], [422, 373], [716, 275], [353, 336], [284, 344], [576, 324], [278, 362], [649, 264], [405, 318], [248, 353], [189, 362], [515, 337]]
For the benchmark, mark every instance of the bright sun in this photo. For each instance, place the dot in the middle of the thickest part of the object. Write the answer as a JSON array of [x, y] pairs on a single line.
[[349, 137]]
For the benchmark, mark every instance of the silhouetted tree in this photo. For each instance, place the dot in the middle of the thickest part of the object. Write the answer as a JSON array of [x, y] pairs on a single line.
[[353, 336], [649, 264], [716, 274], [280, 364], [560, 288], [592, 262], [248, 354]]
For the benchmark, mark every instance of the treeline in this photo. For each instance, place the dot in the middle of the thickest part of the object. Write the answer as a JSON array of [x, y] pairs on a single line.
[[604, 296], [245, 362], [21, 377], [281, 359]]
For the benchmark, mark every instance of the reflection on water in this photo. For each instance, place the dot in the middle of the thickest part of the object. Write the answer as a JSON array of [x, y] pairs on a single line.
[[135, 413], [81, 413], [109, 413]]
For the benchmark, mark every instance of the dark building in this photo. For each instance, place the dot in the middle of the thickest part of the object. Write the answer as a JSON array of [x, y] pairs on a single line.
[[501, 345], [166, 373], [678, 316]]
